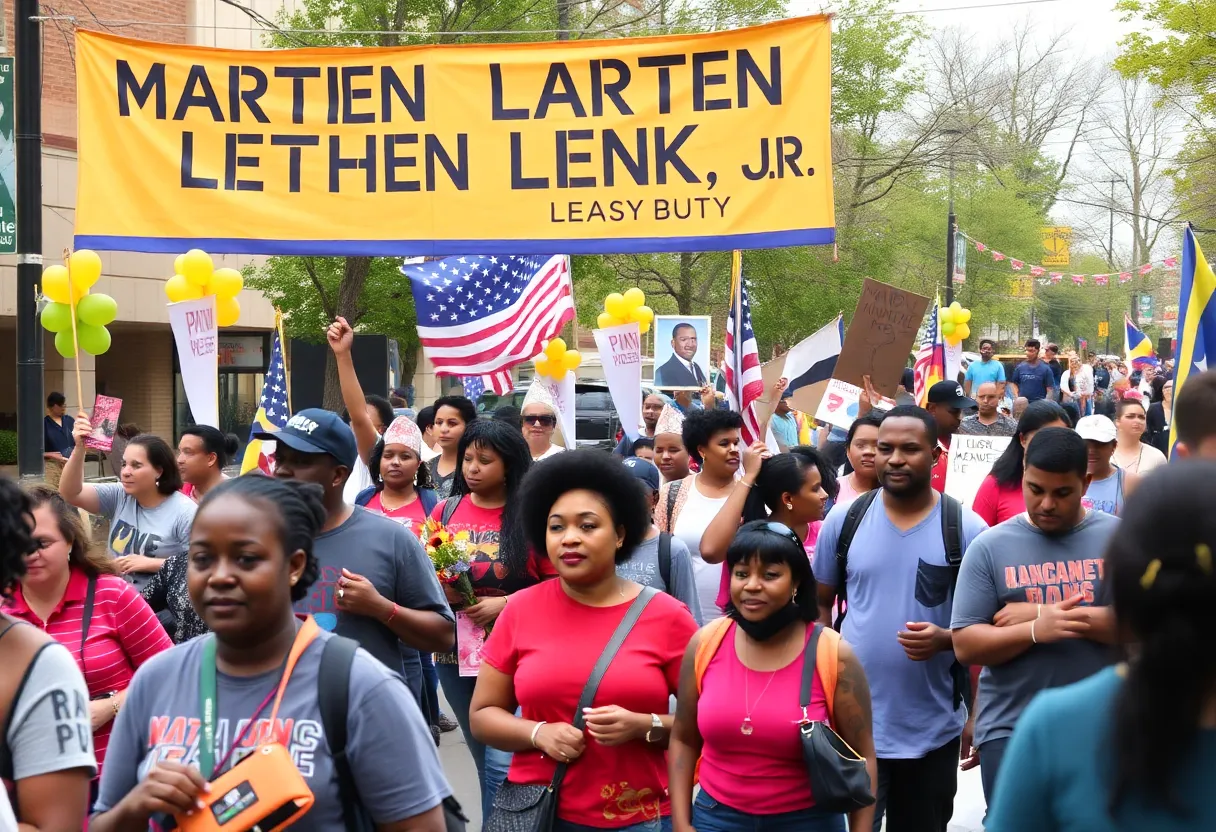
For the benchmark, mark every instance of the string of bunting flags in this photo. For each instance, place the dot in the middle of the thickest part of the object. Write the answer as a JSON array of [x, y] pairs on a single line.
[[1046, 276]]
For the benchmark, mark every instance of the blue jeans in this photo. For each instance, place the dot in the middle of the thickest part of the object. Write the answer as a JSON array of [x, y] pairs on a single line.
[[708, 815], [991, 755], [492, 764], [656, 825]]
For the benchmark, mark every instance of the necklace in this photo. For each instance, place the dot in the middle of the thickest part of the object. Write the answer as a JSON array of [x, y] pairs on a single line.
[[1128, 467], [746, 728]]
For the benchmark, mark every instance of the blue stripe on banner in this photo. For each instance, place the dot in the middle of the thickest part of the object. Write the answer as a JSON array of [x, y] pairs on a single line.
[[432, 248], [817, 372]]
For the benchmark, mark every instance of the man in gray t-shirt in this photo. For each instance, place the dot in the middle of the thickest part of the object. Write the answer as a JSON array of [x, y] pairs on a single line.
[[389, 745], [376, 584], [1031, 604]]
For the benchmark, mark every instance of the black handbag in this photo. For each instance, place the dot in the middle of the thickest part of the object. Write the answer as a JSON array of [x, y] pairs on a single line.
[[839, 780], [519, 808]]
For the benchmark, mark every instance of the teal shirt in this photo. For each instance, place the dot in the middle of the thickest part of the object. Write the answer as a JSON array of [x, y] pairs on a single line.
[[1056, 774]]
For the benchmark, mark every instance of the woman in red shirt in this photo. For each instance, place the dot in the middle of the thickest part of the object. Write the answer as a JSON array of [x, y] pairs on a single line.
[[62, 579], [588, 513], [401, 487], [1000, 494], [741, 718], [493, 460]]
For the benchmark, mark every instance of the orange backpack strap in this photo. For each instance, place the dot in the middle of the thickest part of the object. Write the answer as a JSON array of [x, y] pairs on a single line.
[[827, 666], [307, 633], [711, 639]]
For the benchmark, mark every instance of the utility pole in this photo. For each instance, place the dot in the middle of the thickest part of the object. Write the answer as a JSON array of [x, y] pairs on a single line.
[[952, 133], [1110, 255], [563, 19], [28, 127]]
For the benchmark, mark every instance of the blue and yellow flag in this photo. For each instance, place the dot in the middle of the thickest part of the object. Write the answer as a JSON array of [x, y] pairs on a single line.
[[1138, 348], [274, 407], [1196, 318]]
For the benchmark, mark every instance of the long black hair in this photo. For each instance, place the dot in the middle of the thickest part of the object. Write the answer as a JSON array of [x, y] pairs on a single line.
[[422, 477], [1007, 470], [300, 507], [508, 442], [1161, 563], [16, 533], [784, 474], [764, 539]]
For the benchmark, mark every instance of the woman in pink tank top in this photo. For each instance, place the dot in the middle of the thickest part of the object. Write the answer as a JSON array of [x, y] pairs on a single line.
[[739, 712]]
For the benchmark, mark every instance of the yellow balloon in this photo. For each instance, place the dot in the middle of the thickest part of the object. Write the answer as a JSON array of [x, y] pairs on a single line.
[[227, 311], [55, 285], [945, 316], [571, 359], [642, 314], [177, 263], [962, 331], [225, 283], [634, 298], [956, 307], [543, 367], [615, 306], [555, 349], [178, 289], [197, 266], [86, 267], [643, 327], [605, 320], [963, 316]]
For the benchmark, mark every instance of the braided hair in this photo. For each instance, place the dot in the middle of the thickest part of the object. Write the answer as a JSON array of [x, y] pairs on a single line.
[[16, 533]]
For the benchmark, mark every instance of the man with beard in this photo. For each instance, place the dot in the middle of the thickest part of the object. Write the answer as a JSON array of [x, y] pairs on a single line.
[[894, 551], [1032, 605]]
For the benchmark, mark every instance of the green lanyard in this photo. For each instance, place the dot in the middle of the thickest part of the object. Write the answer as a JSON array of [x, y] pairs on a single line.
[[209, 699]]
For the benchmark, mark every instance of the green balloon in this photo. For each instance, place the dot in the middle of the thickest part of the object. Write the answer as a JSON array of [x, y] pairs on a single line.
[[948, 328], [97, 310], [94, 340], [57, 317], [63, 343]]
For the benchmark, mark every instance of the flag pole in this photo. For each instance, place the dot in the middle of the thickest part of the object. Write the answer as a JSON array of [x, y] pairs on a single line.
[[67, 260], [736, 279], [278, 325]]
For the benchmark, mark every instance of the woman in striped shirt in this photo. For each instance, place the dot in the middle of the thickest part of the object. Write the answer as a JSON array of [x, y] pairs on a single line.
[[72, 594]]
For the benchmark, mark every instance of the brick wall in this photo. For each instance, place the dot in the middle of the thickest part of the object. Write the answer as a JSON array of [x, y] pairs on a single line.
[[139, 370], [58, 52]]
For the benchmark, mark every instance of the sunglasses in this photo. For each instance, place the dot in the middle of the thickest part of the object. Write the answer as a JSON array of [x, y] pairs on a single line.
[[783, 531], [546, 421]]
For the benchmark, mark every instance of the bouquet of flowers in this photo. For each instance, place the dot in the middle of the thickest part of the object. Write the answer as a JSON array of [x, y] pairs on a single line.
[[449, 553]]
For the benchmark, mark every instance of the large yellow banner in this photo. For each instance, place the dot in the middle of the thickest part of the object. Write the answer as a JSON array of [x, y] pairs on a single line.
[[674, 143]]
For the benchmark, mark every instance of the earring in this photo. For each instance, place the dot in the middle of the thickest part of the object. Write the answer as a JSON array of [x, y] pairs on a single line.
[[794, 597], [789, 506], [293, 580]]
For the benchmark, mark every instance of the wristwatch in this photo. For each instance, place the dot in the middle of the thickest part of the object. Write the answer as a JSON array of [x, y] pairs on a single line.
[[656, 724]]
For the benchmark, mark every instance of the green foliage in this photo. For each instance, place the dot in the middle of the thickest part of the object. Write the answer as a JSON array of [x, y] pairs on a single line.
[[1068, 312], [870, 72], [1178, 55], [8, 447]]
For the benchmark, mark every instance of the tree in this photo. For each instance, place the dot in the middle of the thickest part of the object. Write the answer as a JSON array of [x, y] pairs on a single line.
[[1181, 61]]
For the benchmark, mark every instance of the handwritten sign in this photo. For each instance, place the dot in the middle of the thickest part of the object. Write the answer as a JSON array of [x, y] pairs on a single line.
[[196, 333], [621, 356], [971, 459], [105, 423], [881, 336]]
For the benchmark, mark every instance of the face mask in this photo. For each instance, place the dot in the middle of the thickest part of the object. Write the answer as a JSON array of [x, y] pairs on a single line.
[[767, 628]]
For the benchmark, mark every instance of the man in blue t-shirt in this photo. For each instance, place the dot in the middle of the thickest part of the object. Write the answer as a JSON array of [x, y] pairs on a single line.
[[1032, 379], [900, 591], [985, 370]]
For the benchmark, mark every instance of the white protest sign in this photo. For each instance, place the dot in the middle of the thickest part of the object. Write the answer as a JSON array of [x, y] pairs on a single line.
[[563, 395], [841, 401], [196, 332], [970, 460], [621, 356]]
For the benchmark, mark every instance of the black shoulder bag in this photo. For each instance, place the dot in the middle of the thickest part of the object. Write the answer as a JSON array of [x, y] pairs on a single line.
[[839, 780], [519, 808]]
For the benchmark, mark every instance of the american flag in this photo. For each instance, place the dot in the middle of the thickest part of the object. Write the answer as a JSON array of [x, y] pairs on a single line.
[[274, 410], [480, 315], [744, 381], [474, 387], [930, 366]]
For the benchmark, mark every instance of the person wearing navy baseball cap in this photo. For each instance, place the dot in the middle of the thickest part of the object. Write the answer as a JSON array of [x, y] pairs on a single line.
[[376, 584], [946, 401]]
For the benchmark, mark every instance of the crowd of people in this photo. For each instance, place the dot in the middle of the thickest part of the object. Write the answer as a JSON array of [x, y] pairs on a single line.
[[661, 628]]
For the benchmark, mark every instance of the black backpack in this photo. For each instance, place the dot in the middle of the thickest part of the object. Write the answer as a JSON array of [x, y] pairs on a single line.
[[952, 534], [665, 560], [333, 699]]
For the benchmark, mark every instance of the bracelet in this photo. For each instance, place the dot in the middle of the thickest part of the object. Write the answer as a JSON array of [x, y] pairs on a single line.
[[746, 484], [1033, 640], [535, 731], [114, 702], [392, 614]]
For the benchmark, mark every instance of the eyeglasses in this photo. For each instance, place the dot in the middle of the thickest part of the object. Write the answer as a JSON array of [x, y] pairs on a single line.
[[546, 421]]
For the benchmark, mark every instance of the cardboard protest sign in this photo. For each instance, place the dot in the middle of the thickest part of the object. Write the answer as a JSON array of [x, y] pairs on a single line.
[[971, 459], [881, 336]]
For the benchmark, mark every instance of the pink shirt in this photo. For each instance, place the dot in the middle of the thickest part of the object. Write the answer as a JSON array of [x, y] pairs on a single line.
[[123, 634], [997, 503], [762, 773], [812, 535]]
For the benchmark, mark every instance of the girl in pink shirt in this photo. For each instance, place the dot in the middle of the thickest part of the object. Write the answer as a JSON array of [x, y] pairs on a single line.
[[121, 632], [1000, 494], [742, 718]]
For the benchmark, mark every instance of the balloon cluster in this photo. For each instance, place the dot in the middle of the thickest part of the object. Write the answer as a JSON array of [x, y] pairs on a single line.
[[67, 289], [954, 323], [196, 277], [556, 360], [629, 307]]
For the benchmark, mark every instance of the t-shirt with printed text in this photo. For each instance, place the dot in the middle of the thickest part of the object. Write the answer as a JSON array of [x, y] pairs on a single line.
[[609, 786], [48, 723], [159, 532], [410, 515], [387, 735]]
